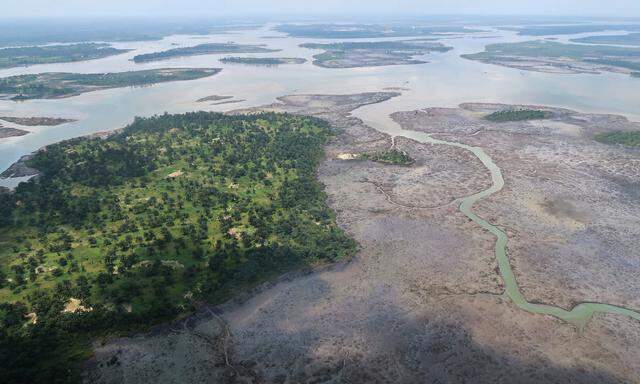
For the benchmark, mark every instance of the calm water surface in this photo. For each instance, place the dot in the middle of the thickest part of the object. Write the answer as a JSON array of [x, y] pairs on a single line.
[[446, 81]]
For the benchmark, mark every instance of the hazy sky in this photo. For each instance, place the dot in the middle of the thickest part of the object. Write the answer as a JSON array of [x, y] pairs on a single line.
[[44, 8]]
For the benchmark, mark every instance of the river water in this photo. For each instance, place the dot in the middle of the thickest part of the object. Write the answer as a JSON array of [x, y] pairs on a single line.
[[446, 81]]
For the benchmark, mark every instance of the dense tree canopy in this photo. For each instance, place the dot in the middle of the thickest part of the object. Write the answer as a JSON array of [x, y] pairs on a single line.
[[140, 226]]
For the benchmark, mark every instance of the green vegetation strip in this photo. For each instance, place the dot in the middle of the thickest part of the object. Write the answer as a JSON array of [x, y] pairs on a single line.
[[20, 56], [517, 115], [52, 85], [629, 39], [629, 139], [267, 61], [173, 210], [352, 31], [202, 49]]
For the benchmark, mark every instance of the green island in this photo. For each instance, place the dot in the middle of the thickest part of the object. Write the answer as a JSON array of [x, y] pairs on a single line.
[[374, 53], [626, 138], [263, 61], [517, 115], [392, 156], [63, 53], [551, 56], [202, 49], [55, 85], [123, 232], [36, 121], [629, 39], [544, 30], [354, 31]]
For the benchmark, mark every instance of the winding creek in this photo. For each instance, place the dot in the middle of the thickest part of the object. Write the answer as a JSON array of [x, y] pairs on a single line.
[[581, 313]]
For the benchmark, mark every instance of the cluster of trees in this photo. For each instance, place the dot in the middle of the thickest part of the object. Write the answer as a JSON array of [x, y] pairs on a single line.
[[392, 156], [59, 53], [517, 115], [172, 210], [627, 138]]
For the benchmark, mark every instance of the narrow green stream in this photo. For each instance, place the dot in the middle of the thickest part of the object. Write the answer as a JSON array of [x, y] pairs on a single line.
[[581, 313], [578, 315]]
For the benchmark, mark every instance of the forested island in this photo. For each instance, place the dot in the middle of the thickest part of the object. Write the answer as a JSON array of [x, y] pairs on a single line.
[[55, 85], [629, 39], [374, 53], [263, 61], [62, 53], [122, 232], [551, 56], [517, 115], [354, 31], [202, 49]]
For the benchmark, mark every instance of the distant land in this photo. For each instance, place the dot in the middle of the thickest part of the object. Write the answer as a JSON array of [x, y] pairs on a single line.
[[355, 31], [202, 49], [376, 53], [63, 53], [543, 30], [37, 32], [36, 121], [56, 85], [554, 57], [629, 39], [264, 61]]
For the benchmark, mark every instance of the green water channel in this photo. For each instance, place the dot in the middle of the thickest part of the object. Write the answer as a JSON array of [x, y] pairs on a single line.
[[580, 314]]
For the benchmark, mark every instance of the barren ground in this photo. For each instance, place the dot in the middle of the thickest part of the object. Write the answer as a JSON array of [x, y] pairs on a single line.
[[421, 300]]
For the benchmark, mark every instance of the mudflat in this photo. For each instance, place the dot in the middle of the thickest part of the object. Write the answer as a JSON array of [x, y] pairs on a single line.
[[422, 301]]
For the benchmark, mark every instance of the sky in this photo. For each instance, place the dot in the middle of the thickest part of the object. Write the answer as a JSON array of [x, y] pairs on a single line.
[[60, 8]]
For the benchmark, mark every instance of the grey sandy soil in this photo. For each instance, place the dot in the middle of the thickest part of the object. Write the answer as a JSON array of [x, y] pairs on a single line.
[[20, 168], [569, 202], [421, 300], [36, 121], [11, 132]]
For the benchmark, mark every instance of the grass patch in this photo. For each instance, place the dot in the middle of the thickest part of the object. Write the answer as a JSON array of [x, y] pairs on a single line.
[[517, 115], [626, 138]]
